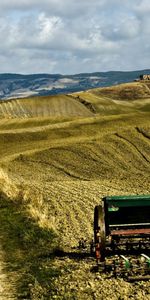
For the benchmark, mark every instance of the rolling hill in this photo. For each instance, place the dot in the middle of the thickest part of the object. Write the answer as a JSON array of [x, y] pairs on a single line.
[[124, 98], [21, 86], [59, 156]]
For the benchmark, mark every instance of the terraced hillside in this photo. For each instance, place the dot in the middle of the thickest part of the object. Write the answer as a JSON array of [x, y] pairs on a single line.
[[58, 168]]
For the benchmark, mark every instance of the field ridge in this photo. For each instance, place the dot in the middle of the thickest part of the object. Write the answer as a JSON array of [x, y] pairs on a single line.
[[58, 159]]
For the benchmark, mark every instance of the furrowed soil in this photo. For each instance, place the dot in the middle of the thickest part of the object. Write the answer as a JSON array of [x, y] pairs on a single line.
[[59, 157]]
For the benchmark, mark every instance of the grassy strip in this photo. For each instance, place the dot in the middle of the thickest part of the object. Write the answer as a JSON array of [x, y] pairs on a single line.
[[29, 251]]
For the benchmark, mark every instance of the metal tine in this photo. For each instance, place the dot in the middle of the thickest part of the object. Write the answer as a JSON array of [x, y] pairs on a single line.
[[127, 263], [145, 256], [145, 259]]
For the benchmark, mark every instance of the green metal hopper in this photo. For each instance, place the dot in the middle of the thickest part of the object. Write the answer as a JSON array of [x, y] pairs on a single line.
[[121, 217]]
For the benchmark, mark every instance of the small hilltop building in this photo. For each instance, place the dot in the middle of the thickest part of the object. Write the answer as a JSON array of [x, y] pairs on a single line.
[[145, 77]]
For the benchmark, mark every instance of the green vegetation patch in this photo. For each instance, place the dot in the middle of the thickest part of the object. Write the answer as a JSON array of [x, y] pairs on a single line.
[[29, 251]]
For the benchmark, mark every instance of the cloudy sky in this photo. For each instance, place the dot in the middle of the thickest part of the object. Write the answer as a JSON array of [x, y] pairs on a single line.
[[74, 36]]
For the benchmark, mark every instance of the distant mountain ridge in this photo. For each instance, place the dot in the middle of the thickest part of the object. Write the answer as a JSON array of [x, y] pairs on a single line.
[[19, 86]]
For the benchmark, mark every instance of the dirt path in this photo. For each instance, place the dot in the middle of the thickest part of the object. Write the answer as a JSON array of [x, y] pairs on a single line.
[[7, 286]]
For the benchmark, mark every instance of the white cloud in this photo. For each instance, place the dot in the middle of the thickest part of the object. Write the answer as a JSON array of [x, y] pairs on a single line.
[[125, 28], [143, 7], [70, 36]]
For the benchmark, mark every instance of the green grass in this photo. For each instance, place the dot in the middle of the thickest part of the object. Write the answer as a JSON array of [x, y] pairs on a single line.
[[29, 250]]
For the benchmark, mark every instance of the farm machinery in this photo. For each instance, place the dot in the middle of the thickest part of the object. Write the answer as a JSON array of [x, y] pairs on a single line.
[[122, 236]]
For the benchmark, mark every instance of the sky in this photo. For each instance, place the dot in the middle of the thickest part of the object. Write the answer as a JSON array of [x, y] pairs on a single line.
[[74, 36]]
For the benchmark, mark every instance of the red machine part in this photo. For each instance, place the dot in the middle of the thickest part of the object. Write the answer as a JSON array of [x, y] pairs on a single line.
[[131, 232], [99, 233]]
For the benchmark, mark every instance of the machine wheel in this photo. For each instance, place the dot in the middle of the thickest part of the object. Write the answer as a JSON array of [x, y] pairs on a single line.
[[99, 233]]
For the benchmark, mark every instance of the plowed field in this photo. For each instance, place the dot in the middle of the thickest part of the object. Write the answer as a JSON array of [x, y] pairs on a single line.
[[59, 168]]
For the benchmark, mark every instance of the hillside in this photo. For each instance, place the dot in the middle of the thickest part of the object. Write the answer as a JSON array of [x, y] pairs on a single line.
[[58, 106], [114, 100], [21, 86], [59, 156]]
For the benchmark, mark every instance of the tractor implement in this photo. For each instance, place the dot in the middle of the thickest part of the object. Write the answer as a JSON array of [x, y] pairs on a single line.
[[122, 235]]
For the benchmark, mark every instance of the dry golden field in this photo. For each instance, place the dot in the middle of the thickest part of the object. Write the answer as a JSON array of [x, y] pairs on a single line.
[[59, 156]]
